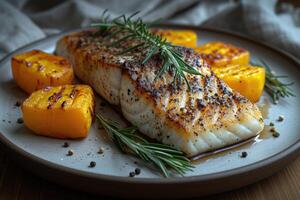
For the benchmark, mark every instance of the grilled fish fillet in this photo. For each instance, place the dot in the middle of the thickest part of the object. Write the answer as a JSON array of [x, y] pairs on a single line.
[[208, 116]]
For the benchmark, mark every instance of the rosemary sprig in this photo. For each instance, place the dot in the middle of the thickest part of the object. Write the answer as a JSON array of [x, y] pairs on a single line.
[[164, 157], [146, 40], [273, 86]]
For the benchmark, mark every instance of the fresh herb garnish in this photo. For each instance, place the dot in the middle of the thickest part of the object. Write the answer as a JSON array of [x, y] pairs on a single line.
[[273, 86], [164, 157], [137, 30]]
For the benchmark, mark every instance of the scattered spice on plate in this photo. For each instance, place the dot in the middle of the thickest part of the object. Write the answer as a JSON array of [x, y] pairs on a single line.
[[276, 134], [101, 150], [70, 152], [137, 171], [92, 164], [244, 154], [66, 144], [131, 174], [135, 162], [280, 118], [9, 122], [20, 121], [271, 124], [273, 129], [18, 104], [3, 120]]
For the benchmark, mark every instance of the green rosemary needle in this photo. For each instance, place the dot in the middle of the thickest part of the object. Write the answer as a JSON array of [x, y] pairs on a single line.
[[164, 157], [273, 86], [148, 41]]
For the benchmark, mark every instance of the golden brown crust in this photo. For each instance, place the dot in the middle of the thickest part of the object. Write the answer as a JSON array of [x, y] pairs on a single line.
[[209, 104]]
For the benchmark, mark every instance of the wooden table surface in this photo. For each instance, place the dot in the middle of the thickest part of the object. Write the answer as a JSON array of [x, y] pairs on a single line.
[[17, 183]]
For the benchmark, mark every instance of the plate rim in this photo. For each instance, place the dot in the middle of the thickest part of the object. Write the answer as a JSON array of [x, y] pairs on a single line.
[[289, 151]]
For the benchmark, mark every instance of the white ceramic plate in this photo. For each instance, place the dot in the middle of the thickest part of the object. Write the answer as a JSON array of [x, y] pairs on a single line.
[[46, 156]]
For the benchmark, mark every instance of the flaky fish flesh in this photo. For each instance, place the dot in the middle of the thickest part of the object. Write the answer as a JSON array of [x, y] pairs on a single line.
[[206, 117]]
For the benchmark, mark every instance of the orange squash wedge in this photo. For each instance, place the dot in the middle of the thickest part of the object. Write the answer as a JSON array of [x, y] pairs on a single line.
[[60, 112], [184, 38], [35, 70], [219, 54], [247, 80]]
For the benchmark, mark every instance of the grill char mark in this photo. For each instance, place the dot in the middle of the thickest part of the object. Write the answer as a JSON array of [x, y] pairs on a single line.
[[143, 76]]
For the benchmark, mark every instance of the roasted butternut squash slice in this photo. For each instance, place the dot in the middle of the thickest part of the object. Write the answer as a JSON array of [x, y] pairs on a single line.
[[184, 38], [247, 80], [219, 54], [60, 112], [35, 70]]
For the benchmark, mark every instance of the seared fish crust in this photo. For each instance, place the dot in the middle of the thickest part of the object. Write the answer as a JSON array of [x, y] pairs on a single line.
[[208, 116]]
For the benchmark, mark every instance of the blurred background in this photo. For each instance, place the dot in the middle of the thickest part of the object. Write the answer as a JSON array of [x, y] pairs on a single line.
[[276, 22]]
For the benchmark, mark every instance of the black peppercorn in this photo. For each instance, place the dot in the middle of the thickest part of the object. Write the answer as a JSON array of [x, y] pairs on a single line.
[[66, 144], [131, 174], [276, 134], [280, 118], [244, 154], [101, 150], [70, 152], [137, 171], [92, 164]]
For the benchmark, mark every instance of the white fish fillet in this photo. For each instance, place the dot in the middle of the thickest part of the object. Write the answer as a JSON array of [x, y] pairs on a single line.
[[205, 118]]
